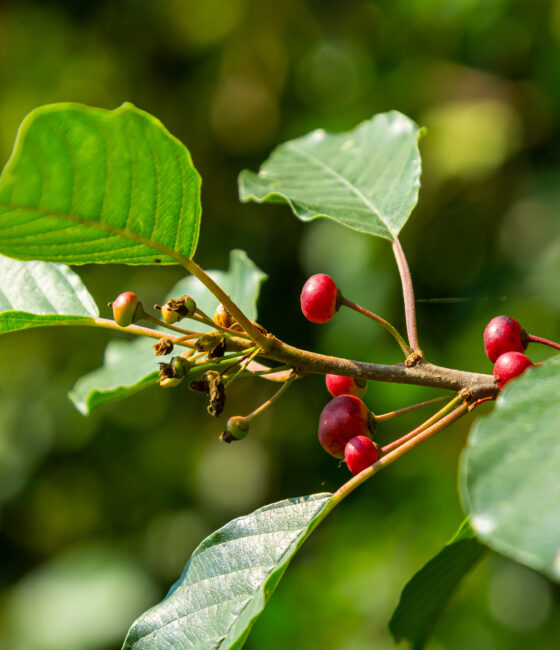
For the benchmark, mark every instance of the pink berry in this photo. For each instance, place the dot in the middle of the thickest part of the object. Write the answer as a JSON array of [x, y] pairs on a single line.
[[338, 385], [343, 418], [510, 365], [504, 334], [360, 452], [320, 298], [124, 308]]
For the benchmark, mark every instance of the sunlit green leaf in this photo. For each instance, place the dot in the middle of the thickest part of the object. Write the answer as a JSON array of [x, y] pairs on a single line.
[[38, 293], [510, 479], [130, 366], [87, 185], [229, 579], [427, 593], [367, 178]]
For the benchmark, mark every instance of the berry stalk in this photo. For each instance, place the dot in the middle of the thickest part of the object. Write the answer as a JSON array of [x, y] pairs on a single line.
[[392, 330], [429, 422], [539, 339]]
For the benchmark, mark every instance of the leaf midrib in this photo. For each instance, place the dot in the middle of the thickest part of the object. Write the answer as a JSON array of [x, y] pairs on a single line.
[[322, 165], [101, 226]]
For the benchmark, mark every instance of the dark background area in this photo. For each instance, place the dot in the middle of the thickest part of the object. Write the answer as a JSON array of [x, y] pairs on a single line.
[[99, 515]]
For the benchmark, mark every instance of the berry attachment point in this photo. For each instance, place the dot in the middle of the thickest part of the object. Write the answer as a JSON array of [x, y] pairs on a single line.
[[504, 334], [339, 385], [343, 418], [360, 452], [510, 365], [320, 298]]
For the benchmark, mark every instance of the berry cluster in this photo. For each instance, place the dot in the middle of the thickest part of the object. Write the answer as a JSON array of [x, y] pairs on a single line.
[[505, 342], [346, 425]]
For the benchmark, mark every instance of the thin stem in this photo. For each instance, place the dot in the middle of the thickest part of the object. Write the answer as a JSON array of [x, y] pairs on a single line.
[[391, 457], [406, 409], [271, 400], [226, 301], [538, 339], [392, 330], [162, 323], [429, 422], [105, 323], [208, 321], [408, 295], [245, 361]]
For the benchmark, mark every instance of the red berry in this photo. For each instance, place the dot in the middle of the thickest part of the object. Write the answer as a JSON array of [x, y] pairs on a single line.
[[510, 365], [320, 298], [504, 334], [338, 385], [343, 418], [360, 452], [124, 308]]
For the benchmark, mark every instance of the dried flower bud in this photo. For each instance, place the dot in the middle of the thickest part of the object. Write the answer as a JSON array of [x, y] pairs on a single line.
[[163, 346], [223, 318]]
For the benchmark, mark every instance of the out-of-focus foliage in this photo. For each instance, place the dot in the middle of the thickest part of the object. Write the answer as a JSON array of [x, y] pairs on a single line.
[[145, 480]]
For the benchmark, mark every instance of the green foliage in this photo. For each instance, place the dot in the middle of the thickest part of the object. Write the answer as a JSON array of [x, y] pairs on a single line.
[[131, 366], [229, 579], [510, 483], [367, 179], [428, 592], [86, 185], [40, 293]]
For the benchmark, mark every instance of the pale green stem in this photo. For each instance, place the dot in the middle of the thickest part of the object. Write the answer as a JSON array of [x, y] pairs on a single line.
[[369, 314], [407, 409], [430, 421]]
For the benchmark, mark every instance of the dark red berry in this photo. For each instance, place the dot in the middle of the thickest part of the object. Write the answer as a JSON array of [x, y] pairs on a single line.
[[320, 298], [504, 334], [510, 365], [124, 308], [338, 385], [343, 418], [360, 452]]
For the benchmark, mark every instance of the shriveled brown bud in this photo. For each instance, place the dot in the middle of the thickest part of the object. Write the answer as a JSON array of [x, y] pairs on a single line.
[[163, 346]]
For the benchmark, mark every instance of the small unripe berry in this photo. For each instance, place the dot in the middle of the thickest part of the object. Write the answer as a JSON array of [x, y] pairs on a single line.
[[237, 428], [504, 334], [320, 298], [343, 418], [360, 452], [222, 317], [125, 307], [338, 385], [510, 365], [169, 316]]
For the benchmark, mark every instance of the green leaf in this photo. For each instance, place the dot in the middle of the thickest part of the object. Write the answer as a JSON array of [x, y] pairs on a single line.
[[367, 179], [229, 579], [131, 366], [427, 593], [33, 294], [128, 366], [86, 185], [509, 473]]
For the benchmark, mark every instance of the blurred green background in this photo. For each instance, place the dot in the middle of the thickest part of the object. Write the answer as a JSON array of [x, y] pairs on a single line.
[[99, 515]]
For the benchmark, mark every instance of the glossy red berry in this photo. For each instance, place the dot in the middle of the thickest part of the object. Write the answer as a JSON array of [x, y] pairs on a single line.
[[343, 418], [510, 365], [504, 334], [124, 308], [338, 385], [320, 298], [360, 452]]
